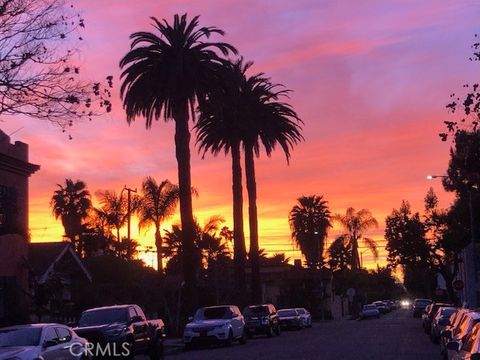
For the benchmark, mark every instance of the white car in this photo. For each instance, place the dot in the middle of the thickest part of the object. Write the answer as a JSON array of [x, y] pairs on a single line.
[[223, 324], [369, 311], [305, 316], [41, 341]]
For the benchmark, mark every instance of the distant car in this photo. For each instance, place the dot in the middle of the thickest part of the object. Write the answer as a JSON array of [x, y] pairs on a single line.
[[405, 303], [419, 306], [381, 306], [470, 349], [369, 311], [440, 321], [429, 314], [306, 317], [224, 324], [461, 332], [261, 319], [290, 319], [41, 341]]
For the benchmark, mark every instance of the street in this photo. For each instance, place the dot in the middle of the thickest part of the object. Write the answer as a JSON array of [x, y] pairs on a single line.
[[395, 336]]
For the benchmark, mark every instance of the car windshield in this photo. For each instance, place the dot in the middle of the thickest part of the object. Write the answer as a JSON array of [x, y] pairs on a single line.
[[301, 311], [103, 316], [20, 337], [369, 307], [213, 313], [287, 313], [446, 312], [255, 310]]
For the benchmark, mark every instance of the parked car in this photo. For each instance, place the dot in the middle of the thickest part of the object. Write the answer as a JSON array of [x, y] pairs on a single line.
[[446, 334], [470, 350], [461, 332], [222, 324], [440, 321], [429, 314], [369, 311], [381, 306], [419, 306], [261, 319], [290, 319], [306, 316], [122, 329], [41, 341]]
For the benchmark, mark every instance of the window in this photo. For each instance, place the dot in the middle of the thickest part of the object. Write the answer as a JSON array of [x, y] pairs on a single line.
[[131, 312], [64, 334], [140, 312], [50, 334]]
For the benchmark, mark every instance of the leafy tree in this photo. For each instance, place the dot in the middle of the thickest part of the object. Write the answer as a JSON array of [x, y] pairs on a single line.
[[158, 202], [270, 123], [38, 76], [340, 256], [219, 129], [71, 203], [355, 224], [309, 221], [167, 73]]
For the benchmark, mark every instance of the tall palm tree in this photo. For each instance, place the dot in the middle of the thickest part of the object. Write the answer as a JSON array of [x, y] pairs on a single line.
[[167, 73], [270, 123], [71, 203], [309, 221], [220, 127], [158, 202], [355, 224]]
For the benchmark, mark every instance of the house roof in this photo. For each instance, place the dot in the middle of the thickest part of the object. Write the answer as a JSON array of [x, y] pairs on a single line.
[[42, 258]]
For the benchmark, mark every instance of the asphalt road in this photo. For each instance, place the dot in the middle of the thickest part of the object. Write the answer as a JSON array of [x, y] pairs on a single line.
[[395, 336]]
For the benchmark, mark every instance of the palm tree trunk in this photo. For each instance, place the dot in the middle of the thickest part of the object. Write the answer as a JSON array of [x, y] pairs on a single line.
[[253, 223], [355, 254], [158, 244], [238, 233], [190, 263]]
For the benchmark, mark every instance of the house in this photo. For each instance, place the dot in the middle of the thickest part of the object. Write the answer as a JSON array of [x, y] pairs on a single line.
[[15, 170], [56, 274]]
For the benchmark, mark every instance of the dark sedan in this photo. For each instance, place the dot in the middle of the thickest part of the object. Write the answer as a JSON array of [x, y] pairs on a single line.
[[290, 319]]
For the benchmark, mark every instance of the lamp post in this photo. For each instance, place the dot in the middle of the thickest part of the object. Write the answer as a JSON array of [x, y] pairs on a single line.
[[470, 272]]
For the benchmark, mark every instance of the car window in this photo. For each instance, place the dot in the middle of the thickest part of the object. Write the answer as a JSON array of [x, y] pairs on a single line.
[[24, 336], [64, 335], [213, 313], [131, 312], [50, 334], [140, 312], [287, 313], [256, 310], [103, 316]]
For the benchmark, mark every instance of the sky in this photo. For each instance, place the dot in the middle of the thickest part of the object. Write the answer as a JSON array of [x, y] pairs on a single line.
[[370, 80]]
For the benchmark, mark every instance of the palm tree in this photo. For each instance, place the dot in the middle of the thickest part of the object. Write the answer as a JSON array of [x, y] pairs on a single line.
[[220, 128], [309, 221], [167, 73], [71, 203], [158, 202], [270, 123], [355, 224]]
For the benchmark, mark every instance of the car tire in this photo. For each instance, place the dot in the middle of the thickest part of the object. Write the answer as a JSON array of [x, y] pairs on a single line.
[[277, 330], [270, 331], [243, 339], [229, 341]]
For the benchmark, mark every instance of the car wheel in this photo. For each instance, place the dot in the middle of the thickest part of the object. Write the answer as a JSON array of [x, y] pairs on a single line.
[[270, 331], [277, 330], [157, 350], [243, 339], [229, 341]]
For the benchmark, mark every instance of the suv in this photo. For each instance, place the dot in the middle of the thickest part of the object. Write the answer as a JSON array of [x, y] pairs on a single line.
[[419, 306], [121, 330], [429, 314], [223, 323], [261, 319]]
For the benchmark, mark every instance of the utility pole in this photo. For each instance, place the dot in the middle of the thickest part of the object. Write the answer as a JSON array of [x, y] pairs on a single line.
[[129, 208]]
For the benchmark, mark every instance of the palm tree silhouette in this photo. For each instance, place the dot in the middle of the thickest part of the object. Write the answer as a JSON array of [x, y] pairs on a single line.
[[158, 202], [71, 203], [309, 221], [355, 224], [220, 127], [270, 123], [167, 73]]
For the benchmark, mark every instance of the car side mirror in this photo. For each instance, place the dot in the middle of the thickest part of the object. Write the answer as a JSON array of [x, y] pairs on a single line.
[[50, 343], [446, 333], [453, 345]]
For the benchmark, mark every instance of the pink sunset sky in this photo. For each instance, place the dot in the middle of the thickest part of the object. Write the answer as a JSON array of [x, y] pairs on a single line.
[[370, 80]]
